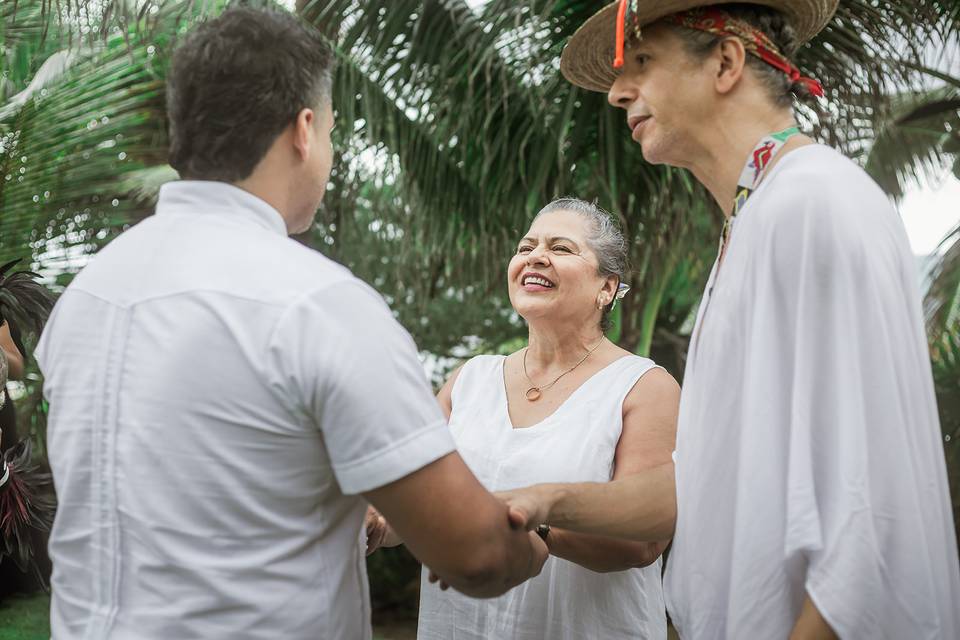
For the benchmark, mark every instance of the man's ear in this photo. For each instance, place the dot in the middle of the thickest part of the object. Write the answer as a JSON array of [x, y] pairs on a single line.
[[732, 58], [303, 132]]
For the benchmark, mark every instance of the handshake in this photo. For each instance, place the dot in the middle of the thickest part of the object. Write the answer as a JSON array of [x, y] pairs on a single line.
[[527, 512]]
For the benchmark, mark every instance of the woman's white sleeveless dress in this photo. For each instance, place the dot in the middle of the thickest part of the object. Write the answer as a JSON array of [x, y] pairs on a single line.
[[575, 444]]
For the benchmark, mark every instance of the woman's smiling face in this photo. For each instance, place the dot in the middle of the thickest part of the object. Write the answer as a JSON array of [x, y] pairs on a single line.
[[554, 272]]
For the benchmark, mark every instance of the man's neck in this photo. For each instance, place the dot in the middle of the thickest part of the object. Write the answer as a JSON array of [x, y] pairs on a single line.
[[728, 144], [272, 188]]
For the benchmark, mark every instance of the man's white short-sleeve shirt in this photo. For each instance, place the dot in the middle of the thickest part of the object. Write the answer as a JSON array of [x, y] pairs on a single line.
[[219, 394]]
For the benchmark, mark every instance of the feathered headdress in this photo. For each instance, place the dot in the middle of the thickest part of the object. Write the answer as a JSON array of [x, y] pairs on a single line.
[[27, 502]]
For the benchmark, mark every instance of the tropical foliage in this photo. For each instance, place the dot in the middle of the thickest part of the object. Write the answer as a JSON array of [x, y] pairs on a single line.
[[428, 75]]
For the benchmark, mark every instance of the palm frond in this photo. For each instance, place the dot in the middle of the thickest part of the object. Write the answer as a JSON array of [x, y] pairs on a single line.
[[66, 150], [942, 304], [909, 143]]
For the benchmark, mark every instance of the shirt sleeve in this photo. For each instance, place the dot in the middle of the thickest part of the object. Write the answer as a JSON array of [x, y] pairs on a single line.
[[867, 505], [354, 370]]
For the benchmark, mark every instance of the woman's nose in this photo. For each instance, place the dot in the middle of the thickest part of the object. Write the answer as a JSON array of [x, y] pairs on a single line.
[[537, 256]]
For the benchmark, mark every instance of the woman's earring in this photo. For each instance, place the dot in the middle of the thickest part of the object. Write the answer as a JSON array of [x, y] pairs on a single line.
[[622, 290]]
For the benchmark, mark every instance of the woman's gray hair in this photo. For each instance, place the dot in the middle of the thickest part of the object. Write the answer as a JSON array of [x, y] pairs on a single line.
[[605, 240]]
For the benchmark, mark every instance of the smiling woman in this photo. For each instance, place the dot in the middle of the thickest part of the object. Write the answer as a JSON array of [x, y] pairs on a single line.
[[598, 236], [571, 406]]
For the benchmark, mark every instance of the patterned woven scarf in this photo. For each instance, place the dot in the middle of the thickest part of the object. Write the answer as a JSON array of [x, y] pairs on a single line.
[[719, 23]]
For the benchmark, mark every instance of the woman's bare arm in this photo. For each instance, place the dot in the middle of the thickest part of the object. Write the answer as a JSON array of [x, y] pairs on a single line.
[[646, 442], [811, 625]]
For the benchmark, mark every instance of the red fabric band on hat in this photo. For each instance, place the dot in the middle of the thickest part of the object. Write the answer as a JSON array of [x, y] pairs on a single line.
[[756, 42], [720, 23]]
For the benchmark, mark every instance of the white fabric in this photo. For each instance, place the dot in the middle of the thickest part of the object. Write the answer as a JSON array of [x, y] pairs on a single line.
[[210, 386], [809, 454], [575, 444]]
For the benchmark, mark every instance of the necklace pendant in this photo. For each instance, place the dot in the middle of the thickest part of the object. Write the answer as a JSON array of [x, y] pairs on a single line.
[[533, 394]]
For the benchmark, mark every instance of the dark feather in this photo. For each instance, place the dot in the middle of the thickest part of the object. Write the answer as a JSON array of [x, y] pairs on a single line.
[[24, 302], [27, 504]]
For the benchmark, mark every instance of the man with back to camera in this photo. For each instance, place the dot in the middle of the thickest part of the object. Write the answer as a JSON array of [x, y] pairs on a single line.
[[811, 491], [221, 396]]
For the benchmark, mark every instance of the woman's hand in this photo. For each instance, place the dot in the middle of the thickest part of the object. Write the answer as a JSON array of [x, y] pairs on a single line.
[[530, 507], [377, 530]]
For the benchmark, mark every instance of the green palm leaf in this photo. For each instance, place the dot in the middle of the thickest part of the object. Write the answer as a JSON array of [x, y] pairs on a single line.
[[914, 139]]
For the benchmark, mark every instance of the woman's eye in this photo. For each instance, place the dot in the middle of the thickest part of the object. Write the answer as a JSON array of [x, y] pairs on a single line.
[[642, 59], [524, 249], [562, 249]]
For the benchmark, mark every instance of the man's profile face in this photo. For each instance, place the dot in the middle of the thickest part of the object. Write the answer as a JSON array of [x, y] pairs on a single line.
[[666, 95]]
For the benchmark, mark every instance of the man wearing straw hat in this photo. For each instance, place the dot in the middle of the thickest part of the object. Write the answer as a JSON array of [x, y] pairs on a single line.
[[812, 498]]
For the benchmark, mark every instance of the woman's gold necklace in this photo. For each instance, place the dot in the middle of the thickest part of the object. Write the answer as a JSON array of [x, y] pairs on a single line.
[[534, 392]]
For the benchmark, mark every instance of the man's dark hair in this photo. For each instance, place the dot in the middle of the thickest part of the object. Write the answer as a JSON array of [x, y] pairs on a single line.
[[236, 82], [775, 25]]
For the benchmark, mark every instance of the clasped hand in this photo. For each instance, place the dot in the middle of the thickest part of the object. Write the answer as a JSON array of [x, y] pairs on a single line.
[[527, 508]]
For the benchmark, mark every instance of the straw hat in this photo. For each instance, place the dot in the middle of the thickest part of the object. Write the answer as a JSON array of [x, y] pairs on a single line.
[[587, 60]]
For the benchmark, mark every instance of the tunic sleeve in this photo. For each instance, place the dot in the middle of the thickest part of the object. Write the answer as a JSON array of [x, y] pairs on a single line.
[[867, 506]]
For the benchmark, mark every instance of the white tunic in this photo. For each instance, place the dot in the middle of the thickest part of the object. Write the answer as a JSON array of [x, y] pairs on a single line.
[[211, 424], [575, 444], [809, 454]]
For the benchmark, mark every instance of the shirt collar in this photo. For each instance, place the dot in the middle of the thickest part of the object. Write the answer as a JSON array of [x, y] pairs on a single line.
[[210, 197]]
